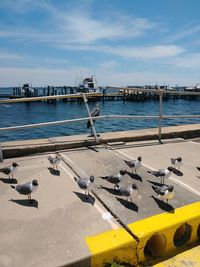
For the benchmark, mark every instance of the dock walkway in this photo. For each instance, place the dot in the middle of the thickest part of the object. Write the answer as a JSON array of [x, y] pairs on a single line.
[[64, 228]]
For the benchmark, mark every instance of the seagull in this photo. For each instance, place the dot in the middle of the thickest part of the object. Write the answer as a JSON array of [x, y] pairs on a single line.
[[54, 160], [10, 170], [84, 183], [176, 162], [128, 191], [26, 189], [165, 192], [116, 178], [162, 173], [134, 164], [94, 113]]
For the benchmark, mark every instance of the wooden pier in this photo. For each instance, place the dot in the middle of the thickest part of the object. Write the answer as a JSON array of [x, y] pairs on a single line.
[[106, 94]]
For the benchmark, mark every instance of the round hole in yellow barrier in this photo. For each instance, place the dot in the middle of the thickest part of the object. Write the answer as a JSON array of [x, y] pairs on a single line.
[[182, 234], [198, 232], [155, 246]]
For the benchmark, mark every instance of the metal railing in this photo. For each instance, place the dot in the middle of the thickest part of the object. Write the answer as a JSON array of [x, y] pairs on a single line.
[[159, 117]]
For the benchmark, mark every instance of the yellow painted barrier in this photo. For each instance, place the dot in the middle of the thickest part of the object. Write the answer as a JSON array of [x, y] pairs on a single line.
[[166, 234], [112, 246]]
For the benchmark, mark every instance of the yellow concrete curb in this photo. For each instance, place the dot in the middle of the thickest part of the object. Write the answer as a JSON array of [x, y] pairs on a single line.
[[112, 246], [167, 233], [158, 237]]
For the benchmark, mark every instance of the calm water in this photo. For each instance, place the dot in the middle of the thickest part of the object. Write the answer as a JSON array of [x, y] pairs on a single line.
[[21, 113]]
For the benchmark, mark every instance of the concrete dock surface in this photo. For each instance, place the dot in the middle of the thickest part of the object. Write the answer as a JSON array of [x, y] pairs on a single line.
[[52, 230]]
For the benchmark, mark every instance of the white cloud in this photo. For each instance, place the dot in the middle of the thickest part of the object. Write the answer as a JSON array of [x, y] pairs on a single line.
[[137, 52], [183, 34], [9, 56], [148, 52], [74, 25], [110, 64], [46, 76], [190, 61], [84, 28]]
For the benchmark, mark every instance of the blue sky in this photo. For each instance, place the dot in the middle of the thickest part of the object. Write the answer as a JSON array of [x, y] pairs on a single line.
[[120, 42]]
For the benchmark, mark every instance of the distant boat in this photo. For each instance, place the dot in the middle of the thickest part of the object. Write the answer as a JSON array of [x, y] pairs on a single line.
[[195, 88], [88, 85], [24, 91]]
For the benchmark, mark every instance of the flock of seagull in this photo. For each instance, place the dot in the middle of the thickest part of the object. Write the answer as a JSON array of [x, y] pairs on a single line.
[[164, 192]]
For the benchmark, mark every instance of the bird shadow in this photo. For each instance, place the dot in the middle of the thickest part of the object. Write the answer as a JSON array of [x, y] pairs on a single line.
[[54, 172], [110, 190], [85, 198], [8, 180], [26, 202], [155, 183], [127, 204], [93, 148], [163, 205], [177, 172], [134, 176]]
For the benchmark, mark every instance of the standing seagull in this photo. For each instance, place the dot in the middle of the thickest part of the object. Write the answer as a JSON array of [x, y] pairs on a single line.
[[26, 189], [10, 170], [162, 173], [134, 164], [165, 192], [84, 183], [54, 160], [94, 113], [116, 178], [128, 191], [176, 162]]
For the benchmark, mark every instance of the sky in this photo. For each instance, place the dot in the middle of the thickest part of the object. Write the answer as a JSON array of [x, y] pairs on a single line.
[[120, 42]]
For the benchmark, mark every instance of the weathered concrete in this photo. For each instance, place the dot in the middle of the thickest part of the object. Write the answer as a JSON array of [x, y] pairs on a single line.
[[54, 233], [102, 162], [159, 156], [21, 148]]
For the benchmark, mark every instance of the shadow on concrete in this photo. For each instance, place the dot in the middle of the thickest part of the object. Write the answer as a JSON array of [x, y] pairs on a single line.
[[134, 176], [163, 205], [85, 198], [110, 190], [177, 172], [9, 180], [155, 183], [127, 204], [26, 202], [93, 148], [54, 172]]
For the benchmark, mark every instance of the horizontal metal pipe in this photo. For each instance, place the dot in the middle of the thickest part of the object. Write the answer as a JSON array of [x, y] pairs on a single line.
[[20, 127], [39, 98], [180, 116]]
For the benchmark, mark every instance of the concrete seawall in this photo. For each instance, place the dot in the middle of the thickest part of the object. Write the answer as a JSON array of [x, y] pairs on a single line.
[[22, 148]]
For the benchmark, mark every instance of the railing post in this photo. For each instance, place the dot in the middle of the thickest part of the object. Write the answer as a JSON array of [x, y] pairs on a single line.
[[90, 118], [160, 116], [1, 154]]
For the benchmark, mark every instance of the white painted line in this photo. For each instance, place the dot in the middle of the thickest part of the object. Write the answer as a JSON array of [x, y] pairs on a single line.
[[99, 209], [186, 186]]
